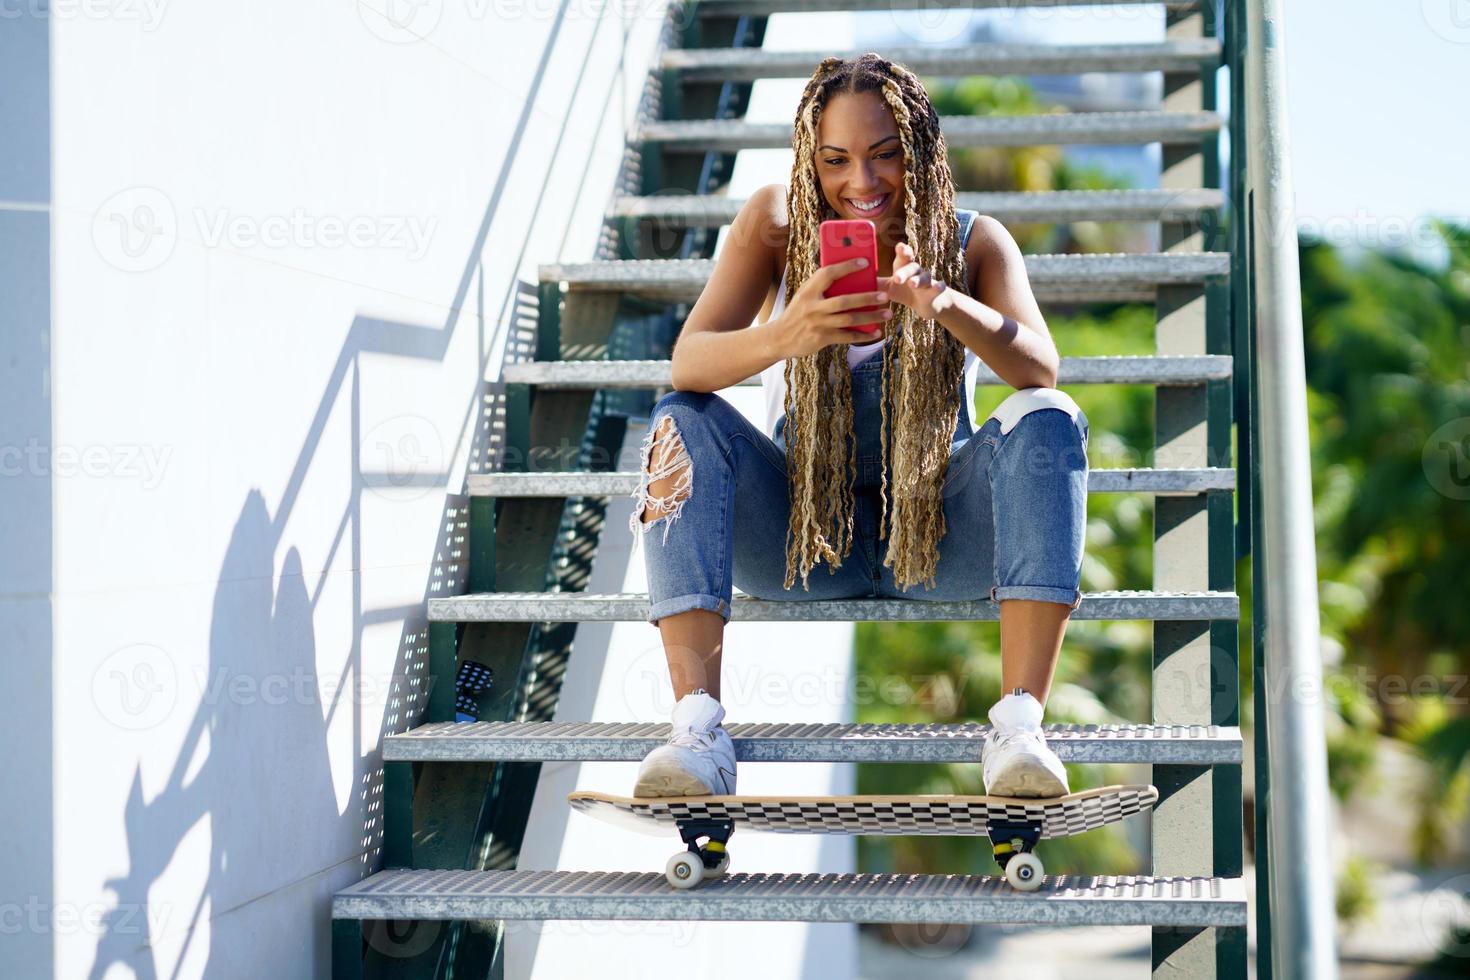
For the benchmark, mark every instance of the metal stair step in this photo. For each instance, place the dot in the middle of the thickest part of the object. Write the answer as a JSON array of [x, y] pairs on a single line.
[[1166, 369], [999, 58], [1114, 277], [645, 895], [1147, 204], [566, 484], [632, 607], [1047, 129], [545, 741], [765, 8]]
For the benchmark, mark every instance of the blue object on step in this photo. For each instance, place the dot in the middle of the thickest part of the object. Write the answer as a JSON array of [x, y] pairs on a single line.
[[474, 679]]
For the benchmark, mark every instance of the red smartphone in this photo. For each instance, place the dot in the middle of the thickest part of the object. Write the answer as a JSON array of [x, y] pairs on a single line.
[[846, 239]]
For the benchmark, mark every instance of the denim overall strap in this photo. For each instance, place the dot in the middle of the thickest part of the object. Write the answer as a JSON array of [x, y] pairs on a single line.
[[867, 397]]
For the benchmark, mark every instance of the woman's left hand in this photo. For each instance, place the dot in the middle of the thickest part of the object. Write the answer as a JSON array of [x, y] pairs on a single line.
[[911, 284]]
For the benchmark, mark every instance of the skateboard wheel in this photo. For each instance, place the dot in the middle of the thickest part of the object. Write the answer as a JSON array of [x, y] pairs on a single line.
[[1024, 872], [684, 870], [720, 868]]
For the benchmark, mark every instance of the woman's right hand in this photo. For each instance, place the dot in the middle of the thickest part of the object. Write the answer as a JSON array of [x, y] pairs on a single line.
[[812, 321]]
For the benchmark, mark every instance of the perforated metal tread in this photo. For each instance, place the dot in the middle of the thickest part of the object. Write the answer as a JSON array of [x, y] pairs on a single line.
[[486, 741], [1114, 277], [550, 484], [918, 815], [1049, 129], [1133, 204], [635, 895], [993, 58], [1165, 369], [591, 607]]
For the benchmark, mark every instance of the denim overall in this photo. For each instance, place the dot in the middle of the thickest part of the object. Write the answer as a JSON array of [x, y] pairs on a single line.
[[1014, 500]]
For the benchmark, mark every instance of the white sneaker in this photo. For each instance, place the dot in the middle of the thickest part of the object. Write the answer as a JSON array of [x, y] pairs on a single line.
[[1016, 759], [697, 760]]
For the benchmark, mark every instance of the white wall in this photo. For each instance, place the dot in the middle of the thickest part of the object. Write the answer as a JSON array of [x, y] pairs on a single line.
[[255, 423]]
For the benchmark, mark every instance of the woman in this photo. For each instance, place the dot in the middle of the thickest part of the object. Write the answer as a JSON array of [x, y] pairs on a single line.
[[867, 442]]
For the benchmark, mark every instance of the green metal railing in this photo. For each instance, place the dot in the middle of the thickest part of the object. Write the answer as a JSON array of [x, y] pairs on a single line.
[[1295, 922]]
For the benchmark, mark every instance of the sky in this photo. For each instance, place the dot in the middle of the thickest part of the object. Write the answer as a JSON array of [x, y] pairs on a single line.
[[1376, 101]]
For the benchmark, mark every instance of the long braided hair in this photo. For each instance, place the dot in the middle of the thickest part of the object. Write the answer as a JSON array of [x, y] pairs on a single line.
[[922, 361]]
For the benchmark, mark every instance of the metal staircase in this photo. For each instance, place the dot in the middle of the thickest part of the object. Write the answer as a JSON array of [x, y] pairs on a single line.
[[457, 794]]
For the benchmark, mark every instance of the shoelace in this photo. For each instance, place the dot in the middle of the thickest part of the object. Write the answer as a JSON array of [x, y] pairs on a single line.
[[1005, 735], [693, 739]]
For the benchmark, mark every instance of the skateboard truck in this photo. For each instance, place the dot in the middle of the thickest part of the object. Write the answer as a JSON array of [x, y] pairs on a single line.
[[689, 867], [1012, 845]]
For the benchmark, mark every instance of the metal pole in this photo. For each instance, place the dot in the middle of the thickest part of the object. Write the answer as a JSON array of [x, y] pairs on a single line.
[[1301, 872]]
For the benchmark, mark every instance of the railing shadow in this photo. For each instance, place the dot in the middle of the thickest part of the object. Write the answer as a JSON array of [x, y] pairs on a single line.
[[257, 776]]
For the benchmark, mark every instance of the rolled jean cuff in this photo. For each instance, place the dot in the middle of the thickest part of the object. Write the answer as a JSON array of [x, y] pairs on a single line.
[[684, 603], [1038, 593]]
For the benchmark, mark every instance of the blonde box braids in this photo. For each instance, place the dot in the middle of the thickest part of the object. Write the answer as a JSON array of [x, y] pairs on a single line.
[[922, 361]]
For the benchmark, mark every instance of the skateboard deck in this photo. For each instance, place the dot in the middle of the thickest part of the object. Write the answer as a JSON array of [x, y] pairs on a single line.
[[1013, 823], [1059, 816]]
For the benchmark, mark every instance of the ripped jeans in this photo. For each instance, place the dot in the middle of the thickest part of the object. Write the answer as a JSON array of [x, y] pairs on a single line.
[[1015, 505]]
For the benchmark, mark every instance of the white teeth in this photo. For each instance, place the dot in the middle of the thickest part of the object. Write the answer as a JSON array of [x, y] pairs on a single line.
[[871, 207]]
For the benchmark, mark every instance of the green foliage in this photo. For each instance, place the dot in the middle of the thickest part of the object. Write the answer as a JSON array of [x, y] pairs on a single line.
[[1356, 898], [1353, 723], [1386, 340], [1443, 739], [1028, 168]]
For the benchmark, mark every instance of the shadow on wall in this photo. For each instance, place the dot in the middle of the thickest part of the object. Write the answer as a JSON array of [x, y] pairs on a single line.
[[260, 774]]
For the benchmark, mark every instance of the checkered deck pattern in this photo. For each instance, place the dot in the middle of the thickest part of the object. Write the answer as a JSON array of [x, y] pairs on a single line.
[[953, 815]]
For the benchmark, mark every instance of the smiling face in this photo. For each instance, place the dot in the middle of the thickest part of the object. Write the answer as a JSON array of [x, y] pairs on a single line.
[[859, 158]]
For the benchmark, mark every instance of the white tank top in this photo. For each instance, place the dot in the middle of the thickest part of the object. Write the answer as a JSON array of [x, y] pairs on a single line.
[[773, 378]]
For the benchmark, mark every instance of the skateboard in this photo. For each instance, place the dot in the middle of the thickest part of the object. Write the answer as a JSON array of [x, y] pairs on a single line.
[[1014, 824]]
